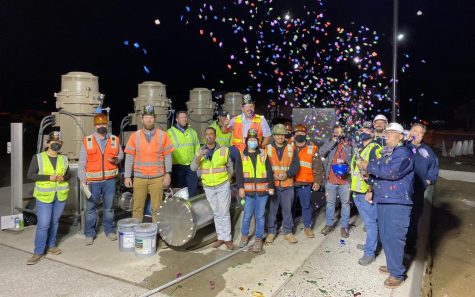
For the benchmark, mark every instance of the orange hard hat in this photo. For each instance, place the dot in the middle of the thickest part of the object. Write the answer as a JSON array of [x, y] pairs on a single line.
[[100, 119], [288, 126], [300, 128]]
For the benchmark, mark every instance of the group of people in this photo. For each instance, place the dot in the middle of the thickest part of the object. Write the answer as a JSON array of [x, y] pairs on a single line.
[[383, 170]]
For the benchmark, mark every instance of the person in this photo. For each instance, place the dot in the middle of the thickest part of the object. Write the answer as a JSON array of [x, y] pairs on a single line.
[[255, 181], [223, 136], [337, 155], [148, 157], [426, 170], [239, 125], [379, 123], [50, 171], [215, 169], [285, 165], [362, 192], [393, 176], [98, 167], [309, 177], [288, 137], [186, 143]]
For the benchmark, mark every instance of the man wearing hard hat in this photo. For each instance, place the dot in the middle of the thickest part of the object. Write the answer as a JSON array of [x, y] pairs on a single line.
[[393, 176], [99, 157], [379, 124], [337, 155]]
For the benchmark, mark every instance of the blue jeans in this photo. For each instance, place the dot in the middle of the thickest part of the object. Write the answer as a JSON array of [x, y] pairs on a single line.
[[303, 193], [369, 214], [183, 176], [416, 214], [343, 191], [106, 189], [284, 198], [393, 221], [254, 206], [48, 221]]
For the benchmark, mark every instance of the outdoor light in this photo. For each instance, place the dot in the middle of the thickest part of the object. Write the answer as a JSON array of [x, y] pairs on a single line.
[[287, 16], [400, 36]]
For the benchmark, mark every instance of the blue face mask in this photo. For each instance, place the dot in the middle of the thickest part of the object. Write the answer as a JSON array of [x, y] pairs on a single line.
[[252, 144], [365, 136]]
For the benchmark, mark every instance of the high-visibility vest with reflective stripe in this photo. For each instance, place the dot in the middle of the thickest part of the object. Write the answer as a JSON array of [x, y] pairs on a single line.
[[255, 180], [281, 166], [97, 166], [149, 160], [358, 184], [213, 172], [186, 145], [45, 190], [238, 138], [306, 155], [223, 139]]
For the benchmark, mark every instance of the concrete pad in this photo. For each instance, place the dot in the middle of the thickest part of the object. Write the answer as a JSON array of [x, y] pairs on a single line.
[[50, 278], [457, 175]]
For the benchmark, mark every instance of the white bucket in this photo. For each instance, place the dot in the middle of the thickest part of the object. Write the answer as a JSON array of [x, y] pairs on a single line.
[[126, 234], [145, 239]]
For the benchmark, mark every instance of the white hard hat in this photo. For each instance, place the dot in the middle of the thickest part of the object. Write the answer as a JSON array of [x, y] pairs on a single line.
[[395, 127], [380, 117]]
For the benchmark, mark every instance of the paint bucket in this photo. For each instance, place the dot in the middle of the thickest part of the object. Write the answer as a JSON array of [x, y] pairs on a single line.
[[126, 234], [145, 239]]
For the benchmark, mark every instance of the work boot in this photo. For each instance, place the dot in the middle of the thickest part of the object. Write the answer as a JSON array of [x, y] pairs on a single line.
[[89, 240], [392, 282], [290, 238], [270, 238], [360, 246], [34, 259], [257, 248], [327, 229], [383, 270], [112, 236], [309, 233], [366, 260], [229, 245], [218, 243], [54, 250], [244, 241], [344, 233]]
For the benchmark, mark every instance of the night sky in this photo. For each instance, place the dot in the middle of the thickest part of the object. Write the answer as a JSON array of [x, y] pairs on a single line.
[[41, 40]]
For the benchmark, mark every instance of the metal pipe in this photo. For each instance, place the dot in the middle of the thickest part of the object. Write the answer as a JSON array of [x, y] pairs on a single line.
[[45, 122], [395, 33], [190, 274], [16, 130]]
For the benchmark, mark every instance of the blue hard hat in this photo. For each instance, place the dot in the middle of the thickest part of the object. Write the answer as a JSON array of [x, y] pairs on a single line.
[[340, 169]]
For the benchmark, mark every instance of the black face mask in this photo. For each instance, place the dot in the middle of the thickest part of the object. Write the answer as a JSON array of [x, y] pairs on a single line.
[[55, 146], [102, 130], [300, 138], [288, 136]]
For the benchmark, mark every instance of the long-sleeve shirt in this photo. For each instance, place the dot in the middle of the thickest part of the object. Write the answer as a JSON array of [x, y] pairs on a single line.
[[34, 169], [328, 151], [240, 175], [426, 166], [294, 165], [83, 155], [196, 163]]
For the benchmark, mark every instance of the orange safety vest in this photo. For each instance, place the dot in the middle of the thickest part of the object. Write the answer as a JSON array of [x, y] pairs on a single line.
[[97, 166], [149, 159], [306, 154], [281, 166], [255, 179], [237, 138]]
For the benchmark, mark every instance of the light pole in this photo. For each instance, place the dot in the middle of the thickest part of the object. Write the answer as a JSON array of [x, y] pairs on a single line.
[[395, 39]]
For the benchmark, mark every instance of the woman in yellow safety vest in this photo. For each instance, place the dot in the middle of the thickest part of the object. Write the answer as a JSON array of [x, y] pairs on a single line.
[[50, 170], [255, 181]]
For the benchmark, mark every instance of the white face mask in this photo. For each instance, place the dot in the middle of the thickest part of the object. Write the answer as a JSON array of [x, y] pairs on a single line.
[[252, 144]]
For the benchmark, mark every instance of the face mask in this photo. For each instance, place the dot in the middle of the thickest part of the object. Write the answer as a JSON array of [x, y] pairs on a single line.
[[365, 136], [102, 130], [288, 136], [300, 138], [55, 146], [252, 144]]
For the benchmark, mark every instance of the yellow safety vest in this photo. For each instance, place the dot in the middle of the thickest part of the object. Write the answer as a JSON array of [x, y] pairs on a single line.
[[358, 184], [213, 172], [45, 190], [223, 139], [186, 145], [255, 181]]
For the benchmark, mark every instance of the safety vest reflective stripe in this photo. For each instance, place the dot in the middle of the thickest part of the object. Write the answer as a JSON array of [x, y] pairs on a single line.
[[281, 166], [358, 184], [306, 164], [52, 190], [158, 163], [97, 167], [255, 180], [213, 172], [186, 145], [148, 169], [46, 191], [183, 144], [238, 133], [223, 139], [130, 148]]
